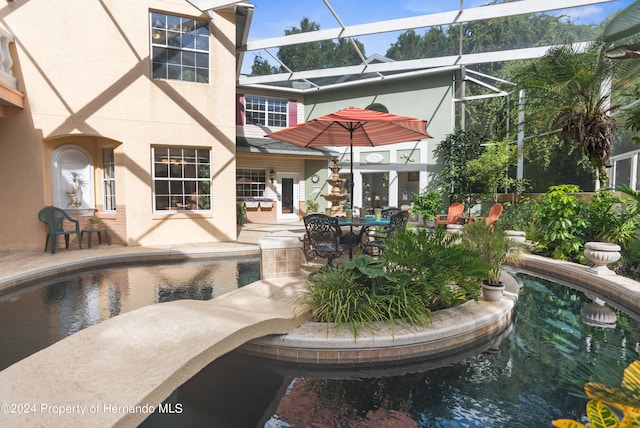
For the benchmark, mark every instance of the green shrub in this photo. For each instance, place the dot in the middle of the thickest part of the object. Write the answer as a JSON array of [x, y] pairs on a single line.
[[418, 272], [518, 216], [610, 219], [629, 264], [335, 296], [312, 206], [561, 222], [428, 204], [445, 272]]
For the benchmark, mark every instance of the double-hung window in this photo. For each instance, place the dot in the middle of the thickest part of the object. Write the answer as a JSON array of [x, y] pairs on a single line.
[[108, 180], [250, 183], [179, 48], [181, 179], [265, 111]]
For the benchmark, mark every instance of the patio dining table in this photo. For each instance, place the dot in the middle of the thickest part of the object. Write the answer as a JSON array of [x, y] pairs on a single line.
[[364, 223]]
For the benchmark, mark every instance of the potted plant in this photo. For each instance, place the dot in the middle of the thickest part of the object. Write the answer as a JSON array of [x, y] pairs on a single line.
[[494, 249], [95, 221], [428, 204], [241, 213], [312, 206]]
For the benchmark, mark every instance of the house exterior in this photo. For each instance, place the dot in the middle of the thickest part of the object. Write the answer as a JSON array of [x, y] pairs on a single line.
[[120, 110], [275, 179], [390, 175], [383, 176]]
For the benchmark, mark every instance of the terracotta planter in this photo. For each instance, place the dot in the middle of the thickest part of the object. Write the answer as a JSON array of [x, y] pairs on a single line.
[[601, 254], [492, 293]]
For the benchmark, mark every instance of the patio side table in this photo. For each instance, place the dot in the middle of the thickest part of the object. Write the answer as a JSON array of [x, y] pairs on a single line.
[[99, 231]]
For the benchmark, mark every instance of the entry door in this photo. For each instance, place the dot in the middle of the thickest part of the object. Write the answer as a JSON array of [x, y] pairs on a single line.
[[288, 196]]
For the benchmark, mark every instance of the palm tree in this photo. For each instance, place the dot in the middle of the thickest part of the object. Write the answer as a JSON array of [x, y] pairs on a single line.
[[576, 86], [625, 25]]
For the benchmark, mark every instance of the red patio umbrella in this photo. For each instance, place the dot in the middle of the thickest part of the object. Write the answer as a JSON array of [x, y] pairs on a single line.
[[354, 127]]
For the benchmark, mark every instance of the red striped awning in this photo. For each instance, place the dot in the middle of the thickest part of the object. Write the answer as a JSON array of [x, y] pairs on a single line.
[[354, 127]]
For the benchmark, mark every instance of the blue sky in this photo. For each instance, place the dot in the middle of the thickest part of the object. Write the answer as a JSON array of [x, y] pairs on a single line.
[[272, 17]]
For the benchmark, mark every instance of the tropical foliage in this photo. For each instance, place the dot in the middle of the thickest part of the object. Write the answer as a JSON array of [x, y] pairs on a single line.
[[625, 398], [519, 216], [561, 222], [428, 203], [623, 26], [493, 247], [611, 219], [487, 171], [417, 273], [571, 82], [454, 153]]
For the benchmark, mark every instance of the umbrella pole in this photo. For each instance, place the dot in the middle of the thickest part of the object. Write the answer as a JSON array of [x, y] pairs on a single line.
[[351, 192]]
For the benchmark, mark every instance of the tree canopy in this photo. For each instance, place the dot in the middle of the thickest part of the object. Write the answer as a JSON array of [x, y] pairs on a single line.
[[311, 56]]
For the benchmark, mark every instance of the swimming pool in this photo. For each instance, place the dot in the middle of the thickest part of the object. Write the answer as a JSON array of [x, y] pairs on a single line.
[[535, 376], [36, 316]]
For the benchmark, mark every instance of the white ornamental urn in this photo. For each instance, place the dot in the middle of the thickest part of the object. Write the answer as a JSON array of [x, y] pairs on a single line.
[[601, 254]]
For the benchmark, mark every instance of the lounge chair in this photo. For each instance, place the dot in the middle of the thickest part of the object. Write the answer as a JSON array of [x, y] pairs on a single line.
[[453, 215], [494, 214]]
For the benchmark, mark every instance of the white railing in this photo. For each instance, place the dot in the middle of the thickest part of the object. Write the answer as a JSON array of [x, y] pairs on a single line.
[[6, 77]]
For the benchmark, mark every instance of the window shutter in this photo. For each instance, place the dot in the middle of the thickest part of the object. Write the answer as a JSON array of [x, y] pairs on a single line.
[[293, 112], [239, 109]]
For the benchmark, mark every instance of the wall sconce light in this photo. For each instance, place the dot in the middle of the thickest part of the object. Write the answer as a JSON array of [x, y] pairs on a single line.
[[272, 176]]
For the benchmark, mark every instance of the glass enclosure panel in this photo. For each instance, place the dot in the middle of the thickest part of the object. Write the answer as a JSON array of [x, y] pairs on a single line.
[[637, 172], [623, 172]]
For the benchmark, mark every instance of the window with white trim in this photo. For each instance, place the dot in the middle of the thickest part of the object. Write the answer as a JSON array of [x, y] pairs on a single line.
[[265, 111], [108, 180], [181, 179], [251, 183], [626, 170], [179, 48]]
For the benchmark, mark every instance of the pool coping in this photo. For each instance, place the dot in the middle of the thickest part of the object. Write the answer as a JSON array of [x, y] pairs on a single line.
[[451, 331], [130, 256]]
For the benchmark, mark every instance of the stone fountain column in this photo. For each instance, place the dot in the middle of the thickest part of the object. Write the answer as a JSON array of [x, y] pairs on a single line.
[[336, 196]]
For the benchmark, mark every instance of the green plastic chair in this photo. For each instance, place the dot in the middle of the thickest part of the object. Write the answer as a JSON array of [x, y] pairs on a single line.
[[55, 218]]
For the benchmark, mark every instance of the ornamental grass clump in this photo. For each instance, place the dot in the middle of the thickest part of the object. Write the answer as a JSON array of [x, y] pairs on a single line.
[[417, 273]]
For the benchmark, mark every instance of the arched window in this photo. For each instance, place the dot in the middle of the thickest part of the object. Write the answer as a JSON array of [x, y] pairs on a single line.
[[377, 107]]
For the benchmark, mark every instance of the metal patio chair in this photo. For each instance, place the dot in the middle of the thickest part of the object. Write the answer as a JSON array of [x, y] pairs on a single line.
[[376, 245], [325, 238]]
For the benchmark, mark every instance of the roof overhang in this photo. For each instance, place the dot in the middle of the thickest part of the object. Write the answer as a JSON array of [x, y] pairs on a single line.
[[215, 5], [270, 146]]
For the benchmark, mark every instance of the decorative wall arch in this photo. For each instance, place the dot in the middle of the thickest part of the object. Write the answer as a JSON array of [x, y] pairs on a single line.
[[73, 186]]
